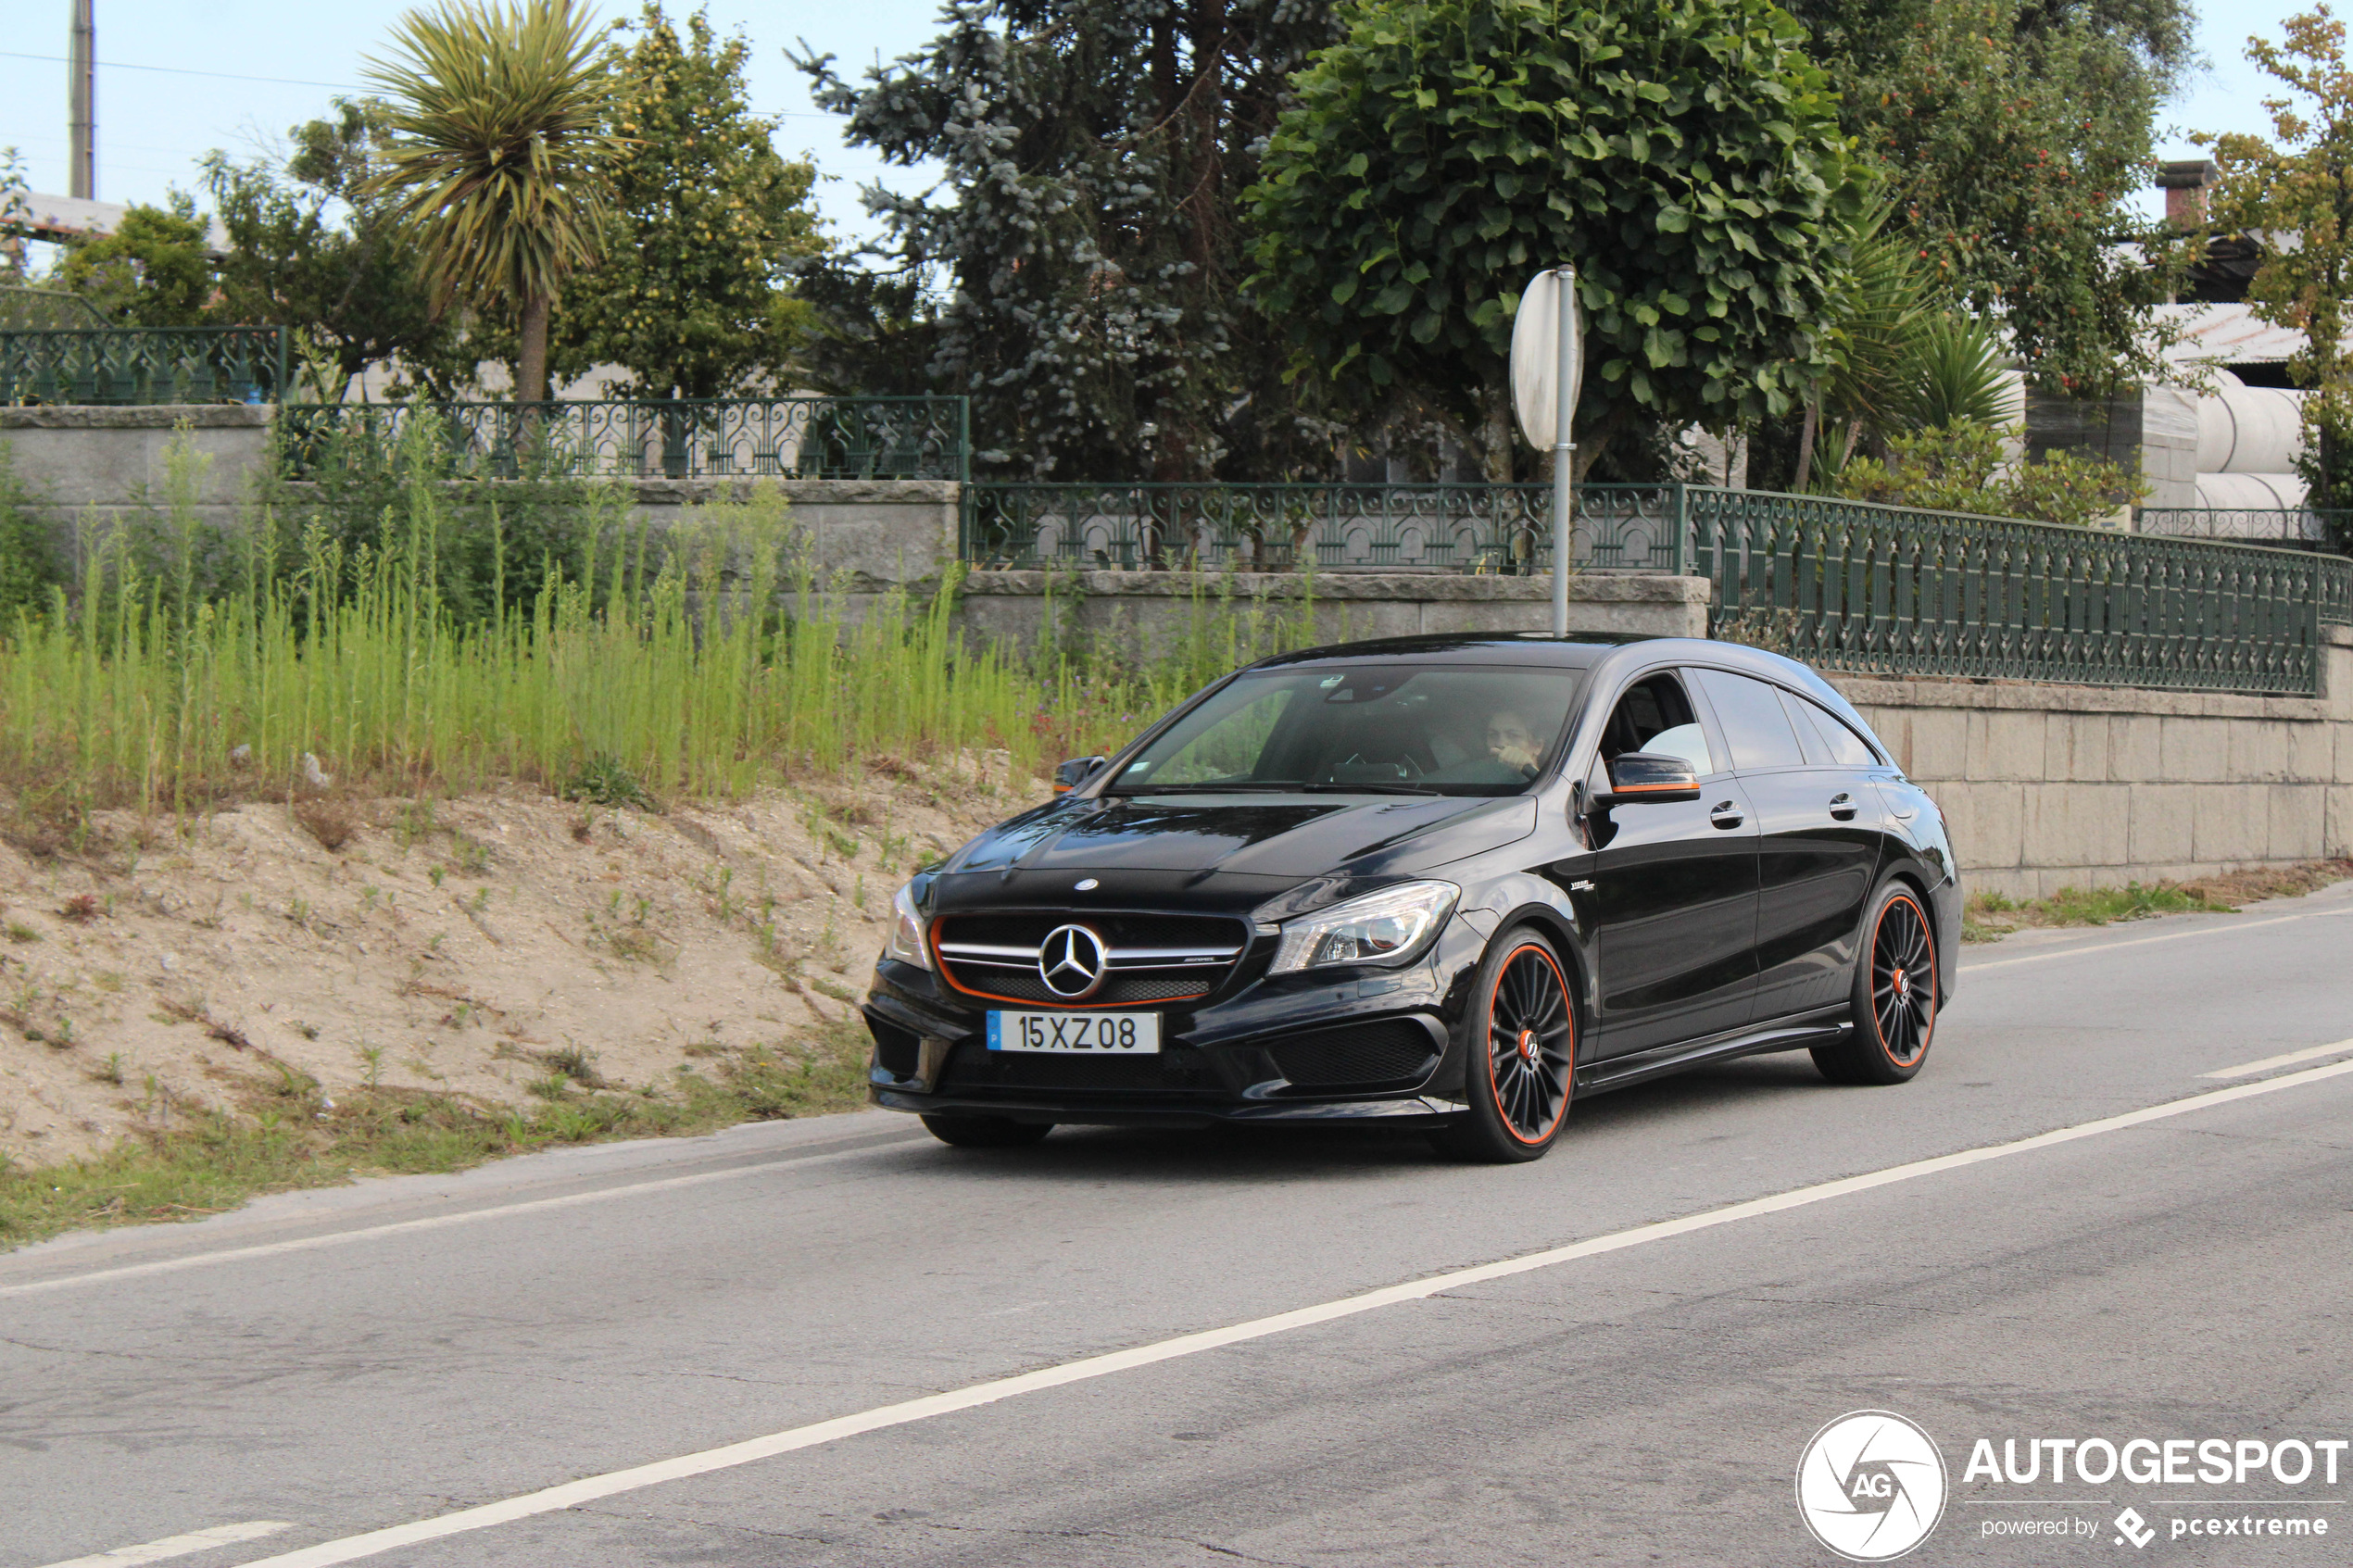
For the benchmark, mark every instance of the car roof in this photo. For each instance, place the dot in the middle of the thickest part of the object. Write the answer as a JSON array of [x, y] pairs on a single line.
[[1582, 651]]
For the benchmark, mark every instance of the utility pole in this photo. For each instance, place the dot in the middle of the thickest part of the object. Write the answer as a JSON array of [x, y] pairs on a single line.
[[81, 100], [1565, 369]]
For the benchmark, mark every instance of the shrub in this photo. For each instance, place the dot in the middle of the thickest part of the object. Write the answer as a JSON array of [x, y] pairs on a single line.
[[1963, 467]]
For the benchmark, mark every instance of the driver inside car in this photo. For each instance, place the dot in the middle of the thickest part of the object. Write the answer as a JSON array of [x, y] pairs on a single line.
[[1511, 742]]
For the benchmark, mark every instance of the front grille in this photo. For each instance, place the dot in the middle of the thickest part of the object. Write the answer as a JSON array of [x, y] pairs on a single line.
[[1386, 1051], [1152, 957]]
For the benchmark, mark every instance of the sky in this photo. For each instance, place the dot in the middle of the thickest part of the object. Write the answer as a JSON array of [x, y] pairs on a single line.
[[158, 116], [160, 112]]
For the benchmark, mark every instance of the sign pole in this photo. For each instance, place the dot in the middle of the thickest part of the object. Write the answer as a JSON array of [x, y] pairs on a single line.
[[1563, 450]]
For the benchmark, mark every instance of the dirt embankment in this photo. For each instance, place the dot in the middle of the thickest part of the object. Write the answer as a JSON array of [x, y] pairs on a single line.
[[476, 947]]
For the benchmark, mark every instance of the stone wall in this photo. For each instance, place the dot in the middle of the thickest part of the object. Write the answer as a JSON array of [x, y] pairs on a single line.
[[109, 462], [1147, 611], [106, 462], [2047, 787]]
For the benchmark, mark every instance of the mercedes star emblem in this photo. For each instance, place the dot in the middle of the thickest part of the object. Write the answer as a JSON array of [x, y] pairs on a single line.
[[1072, 961], [1084, 884]]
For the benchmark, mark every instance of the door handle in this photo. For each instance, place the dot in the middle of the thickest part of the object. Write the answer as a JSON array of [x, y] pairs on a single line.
[[1842, 808], [1726, 815]]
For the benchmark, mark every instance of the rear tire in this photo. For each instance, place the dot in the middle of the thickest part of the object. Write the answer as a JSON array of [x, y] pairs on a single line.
[[1896, 995], [986, 1132], [1521, 1070]]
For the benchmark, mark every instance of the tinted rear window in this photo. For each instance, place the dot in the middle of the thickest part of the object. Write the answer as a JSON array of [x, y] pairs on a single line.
[[1750, 715]]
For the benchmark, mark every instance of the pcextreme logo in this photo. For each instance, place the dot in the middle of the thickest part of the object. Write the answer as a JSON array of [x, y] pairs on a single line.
[[1871, 1486]]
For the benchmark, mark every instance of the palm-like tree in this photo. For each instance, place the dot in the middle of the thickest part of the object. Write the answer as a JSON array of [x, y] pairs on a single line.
[[500, 119]]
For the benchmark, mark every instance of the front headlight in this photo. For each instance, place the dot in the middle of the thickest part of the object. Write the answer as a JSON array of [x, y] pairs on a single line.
[[1388, 927], [907, 942]]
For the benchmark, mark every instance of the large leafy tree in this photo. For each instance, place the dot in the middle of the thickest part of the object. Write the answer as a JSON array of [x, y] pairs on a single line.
[[1684, 154], [1077, 272], [152, 272], [2013, 134], [2300, 181], [706, 214], [500, 118], [310, 247]]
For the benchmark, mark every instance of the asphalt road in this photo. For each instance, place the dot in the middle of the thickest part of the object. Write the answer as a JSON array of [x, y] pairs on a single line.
[[360, 1361]]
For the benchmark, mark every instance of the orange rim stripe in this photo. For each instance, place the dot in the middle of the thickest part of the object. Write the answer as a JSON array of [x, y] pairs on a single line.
[[1494, 1091], [1929, 933]]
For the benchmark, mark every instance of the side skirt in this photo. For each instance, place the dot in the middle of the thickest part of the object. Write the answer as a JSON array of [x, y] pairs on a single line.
[[1785, 1034]]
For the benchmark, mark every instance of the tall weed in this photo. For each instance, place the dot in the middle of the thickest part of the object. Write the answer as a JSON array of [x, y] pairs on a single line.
[[703, 661]]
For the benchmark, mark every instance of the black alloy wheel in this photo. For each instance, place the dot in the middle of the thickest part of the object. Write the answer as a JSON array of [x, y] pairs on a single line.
[[1894, 997], [1522, 1066], [986, 1132]]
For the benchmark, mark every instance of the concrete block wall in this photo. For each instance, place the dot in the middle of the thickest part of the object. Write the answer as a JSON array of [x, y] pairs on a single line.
[[107, 461], [1147, 611], [2052, 786]]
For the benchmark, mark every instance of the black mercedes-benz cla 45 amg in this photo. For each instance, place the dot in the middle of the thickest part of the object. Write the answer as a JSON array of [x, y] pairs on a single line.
[[1451, 883]]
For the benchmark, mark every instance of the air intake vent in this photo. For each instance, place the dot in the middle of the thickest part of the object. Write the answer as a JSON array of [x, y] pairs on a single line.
[[1391, 1050], [897, 1049]]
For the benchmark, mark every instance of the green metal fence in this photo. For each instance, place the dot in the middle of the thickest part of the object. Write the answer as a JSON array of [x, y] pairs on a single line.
[[1847, 586], [786, 437], [1474, 528], [1842, 584], [144, 365]]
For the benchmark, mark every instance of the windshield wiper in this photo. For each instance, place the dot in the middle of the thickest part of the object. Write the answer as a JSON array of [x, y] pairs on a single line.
[[1365, 789]]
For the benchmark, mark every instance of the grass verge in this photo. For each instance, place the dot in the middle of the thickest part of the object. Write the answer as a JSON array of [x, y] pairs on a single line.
[[1989, 916], [293, 1136]]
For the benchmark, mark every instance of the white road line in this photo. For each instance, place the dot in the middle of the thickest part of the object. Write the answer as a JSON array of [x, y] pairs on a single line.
[[2287, 1059], [180, 1545], [2233, 928], [442, 1221], [571, 1494]]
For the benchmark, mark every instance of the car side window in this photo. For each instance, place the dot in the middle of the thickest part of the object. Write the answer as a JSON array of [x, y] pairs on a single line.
[[1749, 712], [1655, 715], [1845, 749], [1809, 739]]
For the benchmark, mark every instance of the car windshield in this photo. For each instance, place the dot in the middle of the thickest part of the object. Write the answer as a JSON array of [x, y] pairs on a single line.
[[1378, 728]]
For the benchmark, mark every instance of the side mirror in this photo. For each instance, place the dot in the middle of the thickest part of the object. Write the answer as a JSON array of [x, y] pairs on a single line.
[[1638, 776], [1079, 770]]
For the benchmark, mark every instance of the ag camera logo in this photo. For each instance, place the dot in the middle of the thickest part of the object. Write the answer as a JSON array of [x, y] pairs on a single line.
[[1871, 1486]]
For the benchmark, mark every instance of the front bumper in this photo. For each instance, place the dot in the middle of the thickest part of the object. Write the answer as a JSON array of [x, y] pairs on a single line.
[[1347, 1045]]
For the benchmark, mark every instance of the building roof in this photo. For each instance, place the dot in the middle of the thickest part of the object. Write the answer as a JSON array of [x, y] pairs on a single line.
[[74, 218], [2227, 334]]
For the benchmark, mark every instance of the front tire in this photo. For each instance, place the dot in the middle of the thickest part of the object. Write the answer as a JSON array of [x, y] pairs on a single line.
[[1521, 1070], [1895, 995], [986, 1132]]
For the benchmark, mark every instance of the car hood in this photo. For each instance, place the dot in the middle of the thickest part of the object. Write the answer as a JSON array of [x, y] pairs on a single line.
[[1271, 835]]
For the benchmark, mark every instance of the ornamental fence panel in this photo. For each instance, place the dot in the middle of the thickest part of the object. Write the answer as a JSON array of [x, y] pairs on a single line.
[[809, 437], [1841, 584], [126, 365], [2302, 527], [1849, 585], [1501, 529]]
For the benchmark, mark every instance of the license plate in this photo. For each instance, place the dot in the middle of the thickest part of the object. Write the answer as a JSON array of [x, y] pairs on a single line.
[[1077, 1033]]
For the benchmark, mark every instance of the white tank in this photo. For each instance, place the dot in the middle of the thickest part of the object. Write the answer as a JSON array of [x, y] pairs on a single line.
[[2248, 430], [2261, 492]]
